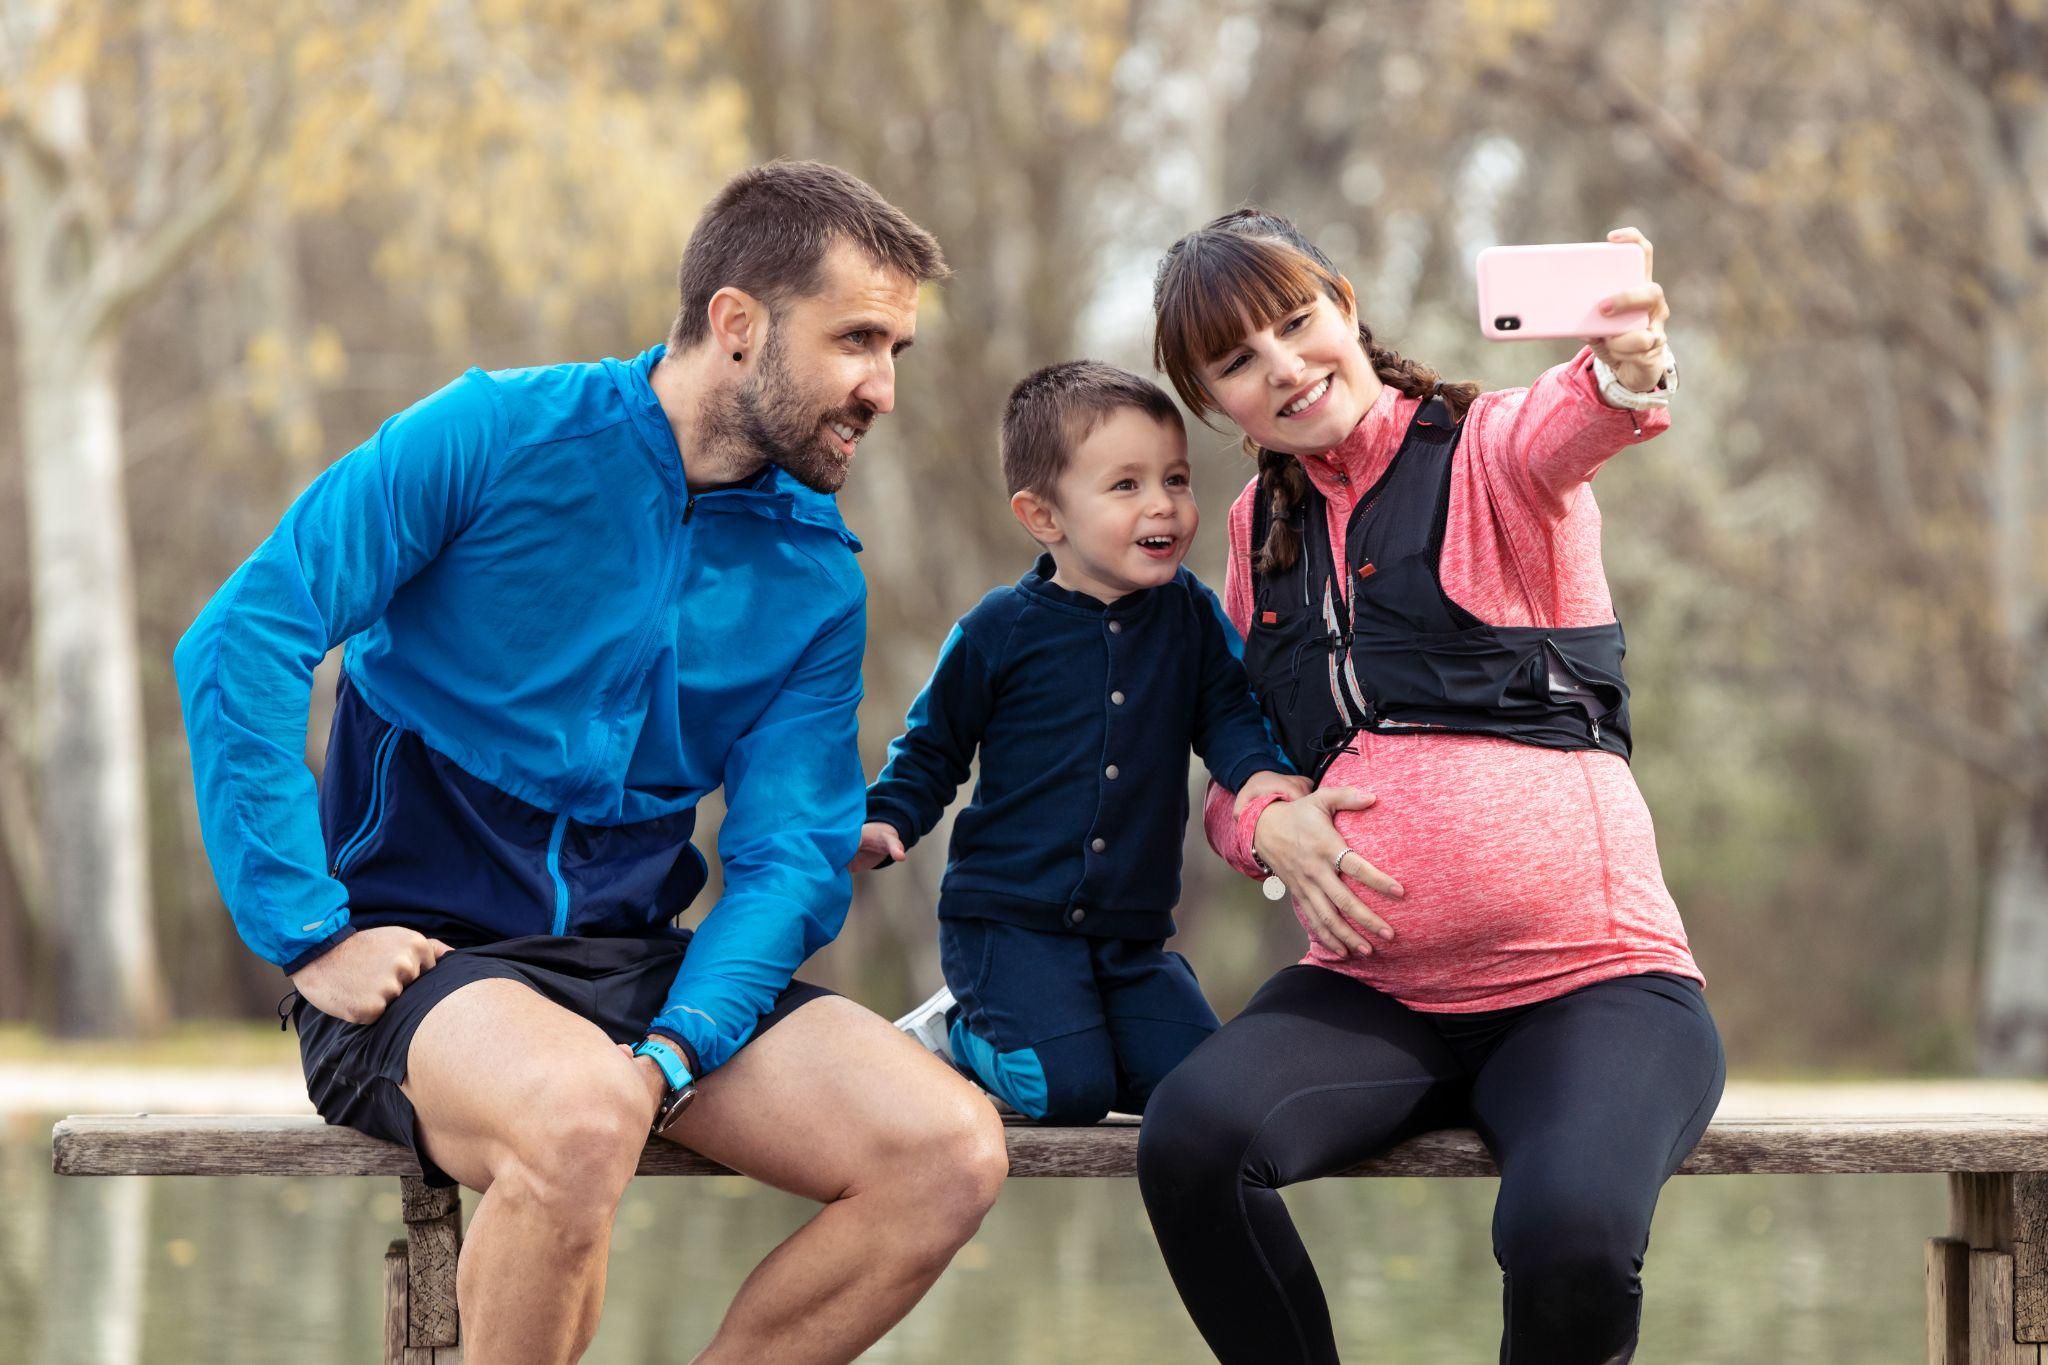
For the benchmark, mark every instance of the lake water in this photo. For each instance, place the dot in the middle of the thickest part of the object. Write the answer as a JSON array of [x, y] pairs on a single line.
[[1788, 1270]]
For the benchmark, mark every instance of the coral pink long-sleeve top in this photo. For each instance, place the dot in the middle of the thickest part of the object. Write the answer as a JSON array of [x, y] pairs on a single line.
[[1529, 872]]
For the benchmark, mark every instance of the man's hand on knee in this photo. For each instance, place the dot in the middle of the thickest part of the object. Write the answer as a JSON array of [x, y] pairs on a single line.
[[365, 972]]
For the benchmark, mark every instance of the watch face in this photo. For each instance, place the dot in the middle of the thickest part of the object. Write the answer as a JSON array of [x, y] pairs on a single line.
[[672, 1107]]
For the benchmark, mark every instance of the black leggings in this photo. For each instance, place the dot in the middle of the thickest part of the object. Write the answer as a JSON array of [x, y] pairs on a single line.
[[1588, 1102]]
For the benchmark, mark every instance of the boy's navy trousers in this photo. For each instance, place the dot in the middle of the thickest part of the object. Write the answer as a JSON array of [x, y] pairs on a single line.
[[1066, 1027]]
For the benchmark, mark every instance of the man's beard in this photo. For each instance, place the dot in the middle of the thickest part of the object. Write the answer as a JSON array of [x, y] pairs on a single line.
[[771, 416]]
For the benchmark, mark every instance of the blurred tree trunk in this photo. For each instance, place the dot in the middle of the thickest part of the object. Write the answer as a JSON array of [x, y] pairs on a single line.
[[85, 696], [2000, 55], [85, 243]]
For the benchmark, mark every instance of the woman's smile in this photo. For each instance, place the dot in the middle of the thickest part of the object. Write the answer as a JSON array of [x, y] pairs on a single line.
[[1308, 400]]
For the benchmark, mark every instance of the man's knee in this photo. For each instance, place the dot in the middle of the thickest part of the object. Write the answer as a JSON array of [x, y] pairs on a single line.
[[572, 1155], [970, 1157], [949, 1162]]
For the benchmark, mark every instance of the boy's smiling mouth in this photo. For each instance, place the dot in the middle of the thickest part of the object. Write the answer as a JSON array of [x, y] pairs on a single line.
[[1158, 547]]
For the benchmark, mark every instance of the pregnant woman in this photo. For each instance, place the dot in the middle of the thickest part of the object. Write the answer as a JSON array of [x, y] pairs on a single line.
[[1416, 571]]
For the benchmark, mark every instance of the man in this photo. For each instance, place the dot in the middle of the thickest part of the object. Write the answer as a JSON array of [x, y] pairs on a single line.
[[576, 600]]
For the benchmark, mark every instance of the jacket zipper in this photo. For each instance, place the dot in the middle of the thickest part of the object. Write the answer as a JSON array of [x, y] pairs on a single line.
[[555, 873], [374, 817]]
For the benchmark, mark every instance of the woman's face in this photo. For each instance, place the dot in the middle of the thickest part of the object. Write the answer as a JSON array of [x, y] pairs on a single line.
[[1299, 386]]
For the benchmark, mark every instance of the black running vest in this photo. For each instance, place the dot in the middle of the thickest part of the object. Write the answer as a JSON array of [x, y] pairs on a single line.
[[1402, 657]]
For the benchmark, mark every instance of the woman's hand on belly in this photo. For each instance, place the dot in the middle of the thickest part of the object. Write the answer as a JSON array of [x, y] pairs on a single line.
[[1299, 841]]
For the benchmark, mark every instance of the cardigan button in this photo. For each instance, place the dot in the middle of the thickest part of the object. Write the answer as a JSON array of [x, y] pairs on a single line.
[[1116, 699], [1116, 627], [1110, 772], [1076, 915], [1099, 844]]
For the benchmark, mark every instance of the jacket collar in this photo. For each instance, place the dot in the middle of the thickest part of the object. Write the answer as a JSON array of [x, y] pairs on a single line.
[[1037, 583], [773, 493], [1364, 455]]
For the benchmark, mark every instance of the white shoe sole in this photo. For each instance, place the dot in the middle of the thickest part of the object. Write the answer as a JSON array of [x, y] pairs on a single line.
[[927, 1023]]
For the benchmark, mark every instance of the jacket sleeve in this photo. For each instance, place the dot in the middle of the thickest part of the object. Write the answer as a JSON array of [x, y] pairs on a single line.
[[1229, 832], [1554, 435], [1230, 730], [793, 797], [931, 758], [371, 521]]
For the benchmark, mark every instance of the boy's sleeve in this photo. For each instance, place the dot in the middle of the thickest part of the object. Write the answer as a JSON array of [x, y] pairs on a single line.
[[931, 758], [1230, 730], [371, 521], [792, 825]]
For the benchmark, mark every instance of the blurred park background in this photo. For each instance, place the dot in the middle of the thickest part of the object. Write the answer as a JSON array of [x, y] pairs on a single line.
[[239, 233]]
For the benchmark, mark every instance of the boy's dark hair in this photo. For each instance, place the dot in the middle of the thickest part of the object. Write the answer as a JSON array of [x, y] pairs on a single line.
[[768, 230], [1053, 410]]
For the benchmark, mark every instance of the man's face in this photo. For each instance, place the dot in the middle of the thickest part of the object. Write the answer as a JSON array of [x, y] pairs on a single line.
[[828, 368]]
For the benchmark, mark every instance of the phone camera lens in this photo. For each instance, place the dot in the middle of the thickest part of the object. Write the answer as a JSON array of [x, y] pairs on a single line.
[[1507, 322]]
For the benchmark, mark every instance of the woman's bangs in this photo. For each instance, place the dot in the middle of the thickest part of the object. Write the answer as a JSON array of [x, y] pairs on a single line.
[[1222, 288]]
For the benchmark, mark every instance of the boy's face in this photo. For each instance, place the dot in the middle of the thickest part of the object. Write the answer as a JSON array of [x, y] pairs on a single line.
[[1124, 513]]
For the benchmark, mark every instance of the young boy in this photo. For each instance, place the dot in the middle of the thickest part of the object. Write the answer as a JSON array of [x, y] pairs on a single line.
[[1083, 686]]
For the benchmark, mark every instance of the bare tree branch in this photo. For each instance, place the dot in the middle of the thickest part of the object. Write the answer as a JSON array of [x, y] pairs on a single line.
[[141, 264]]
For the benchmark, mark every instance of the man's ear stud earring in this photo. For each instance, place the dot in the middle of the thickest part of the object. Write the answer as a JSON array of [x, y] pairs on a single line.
[[735, 356]]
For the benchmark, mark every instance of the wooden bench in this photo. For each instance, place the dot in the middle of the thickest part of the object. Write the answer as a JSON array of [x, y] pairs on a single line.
[[1987, 1280]]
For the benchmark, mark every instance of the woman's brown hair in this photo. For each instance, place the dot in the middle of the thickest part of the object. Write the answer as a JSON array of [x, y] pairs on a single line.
[[1239, 274]]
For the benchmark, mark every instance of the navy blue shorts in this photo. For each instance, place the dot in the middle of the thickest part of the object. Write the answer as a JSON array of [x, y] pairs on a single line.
[[1066, 1027], [353, 1071]]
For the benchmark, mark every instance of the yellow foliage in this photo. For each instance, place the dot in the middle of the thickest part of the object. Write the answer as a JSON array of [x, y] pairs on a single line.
[[326, 357]]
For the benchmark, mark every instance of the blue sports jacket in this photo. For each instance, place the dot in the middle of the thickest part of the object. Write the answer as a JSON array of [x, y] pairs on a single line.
[[554, 651]]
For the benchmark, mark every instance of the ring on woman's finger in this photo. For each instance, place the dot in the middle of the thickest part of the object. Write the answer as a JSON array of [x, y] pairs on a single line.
[[1338, 862]]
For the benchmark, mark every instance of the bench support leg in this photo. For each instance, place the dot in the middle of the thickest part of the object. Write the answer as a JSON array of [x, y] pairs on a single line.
[[1987, 1281], [421, 1324]]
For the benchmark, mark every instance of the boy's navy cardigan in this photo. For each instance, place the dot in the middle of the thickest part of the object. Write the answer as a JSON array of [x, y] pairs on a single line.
[[1084, 715]]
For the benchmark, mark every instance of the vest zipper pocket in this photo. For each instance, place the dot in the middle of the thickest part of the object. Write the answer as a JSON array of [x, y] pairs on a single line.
[[1594, 688], [373, 819]]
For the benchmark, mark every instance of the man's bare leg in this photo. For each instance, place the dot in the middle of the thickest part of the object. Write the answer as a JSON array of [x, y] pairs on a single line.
[[534, 1106], [836, 1105]]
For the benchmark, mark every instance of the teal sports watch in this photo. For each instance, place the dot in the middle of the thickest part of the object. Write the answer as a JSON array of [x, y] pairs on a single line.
[[681, 1085]]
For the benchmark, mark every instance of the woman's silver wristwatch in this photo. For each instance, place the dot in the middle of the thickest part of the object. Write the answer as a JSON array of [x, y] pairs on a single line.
[[1616, 394]]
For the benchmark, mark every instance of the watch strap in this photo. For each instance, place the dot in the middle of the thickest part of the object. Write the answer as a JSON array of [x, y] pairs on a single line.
[[673, 1071]]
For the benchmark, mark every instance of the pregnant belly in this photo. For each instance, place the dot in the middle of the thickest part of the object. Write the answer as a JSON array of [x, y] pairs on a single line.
[[1523, 868]]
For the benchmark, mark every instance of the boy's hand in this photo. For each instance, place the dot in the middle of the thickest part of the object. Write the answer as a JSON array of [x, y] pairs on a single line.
[[1286, 786], [879, 843]]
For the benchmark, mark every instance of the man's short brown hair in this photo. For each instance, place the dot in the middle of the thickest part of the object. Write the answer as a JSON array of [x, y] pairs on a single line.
[[1053, 410], [768, 230]]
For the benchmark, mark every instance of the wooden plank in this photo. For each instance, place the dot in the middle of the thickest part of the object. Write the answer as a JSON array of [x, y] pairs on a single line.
[[1991, 1339], [2030, 1256], [433, 1242], [394, 1303], [1948, 1301], [1980, 1209], [143, 1144]]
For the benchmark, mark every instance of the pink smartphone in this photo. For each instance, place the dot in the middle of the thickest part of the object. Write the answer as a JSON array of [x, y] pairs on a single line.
[[1539, 292]]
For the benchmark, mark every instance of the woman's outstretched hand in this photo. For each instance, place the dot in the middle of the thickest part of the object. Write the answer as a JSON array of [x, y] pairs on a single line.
[[1300, 842], [1637, 358]]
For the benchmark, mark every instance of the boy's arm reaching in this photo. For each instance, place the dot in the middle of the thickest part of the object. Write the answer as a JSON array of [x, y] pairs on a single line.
[[931, 758]]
